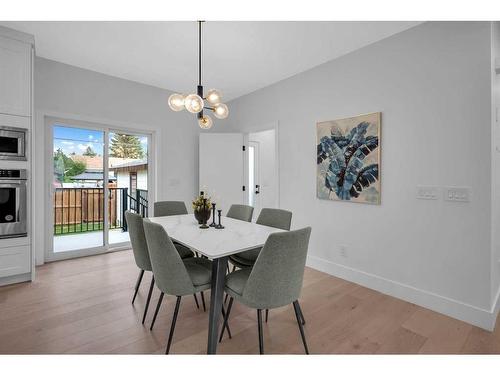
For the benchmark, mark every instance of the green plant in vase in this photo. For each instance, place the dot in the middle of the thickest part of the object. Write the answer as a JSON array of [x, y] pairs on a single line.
[[201, 207]]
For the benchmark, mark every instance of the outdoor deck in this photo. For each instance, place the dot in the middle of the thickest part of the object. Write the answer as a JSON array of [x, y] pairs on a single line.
[[77, 241]]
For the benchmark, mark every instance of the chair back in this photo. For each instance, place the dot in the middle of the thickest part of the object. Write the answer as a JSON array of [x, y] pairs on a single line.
[[276, 218], [171, 275], [240, 212], [169, 208], [276, 278], [138, 240]]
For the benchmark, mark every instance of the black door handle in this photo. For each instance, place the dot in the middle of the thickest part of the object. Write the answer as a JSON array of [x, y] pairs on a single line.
[[257, 189]]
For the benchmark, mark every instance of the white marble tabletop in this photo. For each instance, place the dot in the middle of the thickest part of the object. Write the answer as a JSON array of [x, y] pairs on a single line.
[[237, 236]]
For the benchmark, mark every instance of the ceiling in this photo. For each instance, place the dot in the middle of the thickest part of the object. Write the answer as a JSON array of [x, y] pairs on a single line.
[[239, 57]]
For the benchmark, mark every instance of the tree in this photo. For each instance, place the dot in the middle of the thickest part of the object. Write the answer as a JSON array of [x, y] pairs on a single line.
[[126, 146], [65, 167], [89, 152]]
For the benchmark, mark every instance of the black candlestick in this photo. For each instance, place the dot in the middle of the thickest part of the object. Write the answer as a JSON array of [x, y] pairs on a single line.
[[204, 224], [219, 226], [213, 216]]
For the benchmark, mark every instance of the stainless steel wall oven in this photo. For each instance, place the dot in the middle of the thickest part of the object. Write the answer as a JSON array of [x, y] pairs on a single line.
[[13, 203]]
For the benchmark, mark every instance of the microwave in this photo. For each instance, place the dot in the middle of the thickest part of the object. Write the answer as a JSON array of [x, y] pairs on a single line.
[[12, 143]]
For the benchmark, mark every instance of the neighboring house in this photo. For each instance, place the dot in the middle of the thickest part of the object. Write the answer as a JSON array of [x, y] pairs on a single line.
[[89, 178], [124, 172], [132, 175]]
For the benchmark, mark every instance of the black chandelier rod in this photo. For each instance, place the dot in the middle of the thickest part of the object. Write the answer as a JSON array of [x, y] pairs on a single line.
[[199, 52]]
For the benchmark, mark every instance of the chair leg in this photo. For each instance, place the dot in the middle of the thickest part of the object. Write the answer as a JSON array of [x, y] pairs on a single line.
[[296, 307], [203, 301], [267, 314], [234, 268], [172, 327], [261, 338], [138, 284], [226, 318], [223, 319], [156, 311], [196, 300], [302, 319], [225, 298], [149, 299]]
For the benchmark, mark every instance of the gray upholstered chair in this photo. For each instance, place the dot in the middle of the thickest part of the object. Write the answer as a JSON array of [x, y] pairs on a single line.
[[173, 275], [275, 280], [170, 208], [240, 212], [141, 254], [271, 217]]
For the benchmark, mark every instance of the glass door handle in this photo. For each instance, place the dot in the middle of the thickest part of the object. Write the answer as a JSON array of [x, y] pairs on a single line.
[[257, 189]]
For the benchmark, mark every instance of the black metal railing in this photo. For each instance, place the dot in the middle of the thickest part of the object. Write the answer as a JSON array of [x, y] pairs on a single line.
[[82, 209]]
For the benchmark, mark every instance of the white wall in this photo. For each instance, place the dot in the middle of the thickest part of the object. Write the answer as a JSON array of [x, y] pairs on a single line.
[[495, 123], [432, 84], [67, 91], [123, 180], [142, 180]]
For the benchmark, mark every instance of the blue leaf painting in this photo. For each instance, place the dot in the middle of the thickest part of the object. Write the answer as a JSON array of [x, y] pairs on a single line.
[[346, 157]]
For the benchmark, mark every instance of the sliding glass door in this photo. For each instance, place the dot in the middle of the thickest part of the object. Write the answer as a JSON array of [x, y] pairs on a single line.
[[128, 190], [98, 173]]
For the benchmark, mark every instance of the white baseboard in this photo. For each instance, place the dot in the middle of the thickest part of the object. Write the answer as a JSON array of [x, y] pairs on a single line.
[[471, 314], [15, 279], [496, 305]]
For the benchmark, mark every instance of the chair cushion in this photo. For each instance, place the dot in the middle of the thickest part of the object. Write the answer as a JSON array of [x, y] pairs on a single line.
[[236, 281], [184, 252], [199, 270], [240, 262], [248, 257]]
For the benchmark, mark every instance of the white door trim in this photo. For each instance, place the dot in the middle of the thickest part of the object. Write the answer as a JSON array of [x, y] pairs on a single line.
[[259, 128]]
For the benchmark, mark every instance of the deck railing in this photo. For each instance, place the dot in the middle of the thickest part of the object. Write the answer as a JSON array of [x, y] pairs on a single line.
[[82, 209]]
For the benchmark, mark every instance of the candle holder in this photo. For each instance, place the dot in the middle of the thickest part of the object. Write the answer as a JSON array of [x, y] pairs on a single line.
[[213, 216], [204, 224], [219, 226]]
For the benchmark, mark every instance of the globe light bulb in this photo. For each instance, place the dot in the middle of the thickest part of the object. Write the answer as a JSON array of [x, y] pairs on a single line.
[[221, 111], [193, 103], [214, 96], [176, 102], [205, 122]]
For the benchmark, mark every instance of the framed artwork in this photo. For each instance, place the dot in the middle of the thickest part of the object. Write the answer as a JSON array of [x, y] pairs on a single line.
[[348, 159]]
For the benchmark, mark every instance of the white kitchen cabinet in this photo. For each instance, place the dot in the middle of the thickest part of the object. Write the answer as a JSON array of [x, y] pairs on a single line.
[[15, 77], [15, 260]]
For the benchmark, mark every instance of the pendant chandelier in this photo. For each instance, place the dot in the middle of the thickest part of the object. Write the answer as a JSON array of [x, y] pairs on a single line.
[[196, 103]]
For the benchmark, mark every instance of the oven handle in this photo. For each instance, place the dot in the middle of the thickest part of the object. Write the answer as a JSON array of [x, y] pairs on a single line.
[[11, 184]]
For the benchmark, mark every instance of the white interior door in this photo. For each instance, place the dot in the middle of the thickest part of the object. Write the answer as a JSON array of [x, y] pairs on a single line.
[[221, 172], [254, 176], [262, 170]]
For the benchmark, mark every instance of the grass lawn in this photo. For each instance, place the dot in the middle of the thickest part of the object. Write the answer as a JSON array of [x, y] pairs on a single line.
[[78, 228]]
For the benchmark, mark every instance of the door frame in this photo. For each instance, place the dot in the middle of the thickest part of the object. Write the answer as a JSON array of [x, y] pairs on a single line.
[[273, 125], [107, 127], [256, 176]]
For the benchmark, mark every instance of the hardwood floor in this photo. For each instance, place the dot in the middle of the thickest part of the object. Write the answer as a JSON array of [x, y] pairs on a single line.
[[83, 306]]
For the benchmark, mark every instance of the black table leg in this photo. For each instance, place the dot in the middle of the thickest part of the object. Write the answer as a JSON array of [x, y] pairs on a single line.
[[217, 293]]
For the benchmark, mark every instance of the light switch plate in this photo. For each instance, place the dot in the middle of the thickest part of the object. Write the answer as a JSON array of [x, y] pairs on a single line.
[[457, 194], [427, 192]]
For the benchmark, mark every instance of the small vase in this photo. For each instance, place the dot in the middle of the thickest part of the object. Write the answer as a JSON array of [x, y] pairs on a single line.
[[202, 215]]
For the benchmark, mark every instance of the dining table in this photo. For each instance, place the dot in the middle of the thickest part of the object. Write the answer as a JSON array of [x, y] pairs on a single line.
[[217, 245]]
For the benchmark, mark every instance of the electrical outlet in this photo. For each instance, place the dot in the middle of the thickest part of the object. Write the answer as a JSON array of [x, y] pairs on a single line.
[[427, 192], [457, 194], [343, 251]]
